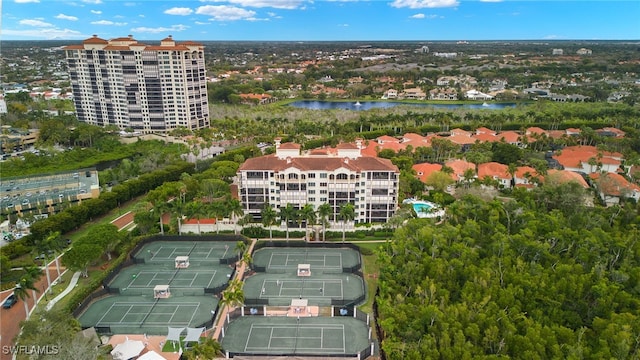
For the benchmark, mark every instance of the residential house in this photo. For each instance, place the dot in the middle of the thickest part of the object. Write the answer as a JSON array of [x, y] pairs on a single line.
[[459, 168], [414, 94], [495, 171], [477, 95], [613, 187], [611, 132], [425, 169], [443, 94], [588, 159], [565, 176], [526, 176]]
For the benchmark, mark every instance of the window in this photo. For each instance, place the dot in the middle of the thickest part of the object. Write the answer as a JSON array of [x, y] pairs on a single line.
[[323, 175], [311, 176], [312, 184], [312, 200], [323, 184]]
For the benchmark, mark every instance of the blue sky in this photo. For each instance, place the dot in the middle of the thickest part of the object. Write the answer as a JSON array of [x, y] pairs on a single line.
[[316, 20]]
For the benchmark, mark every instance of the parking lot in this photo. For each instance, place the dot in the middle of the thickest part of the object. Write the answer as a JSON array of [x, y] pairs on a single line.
[[38, 191]]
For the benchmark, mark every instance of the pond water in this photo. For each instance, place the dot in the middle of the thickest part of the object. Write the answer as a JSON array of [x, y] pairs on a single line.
[[366, 105]]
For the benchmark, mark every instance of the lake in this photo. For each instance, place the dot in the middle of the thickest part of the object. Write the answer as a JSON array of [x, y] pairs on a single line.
[[367, 105]]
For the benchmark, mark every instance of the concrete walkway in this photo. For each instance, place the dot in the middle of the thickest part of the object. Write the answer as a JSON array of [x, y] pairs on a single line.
[[72, 284]]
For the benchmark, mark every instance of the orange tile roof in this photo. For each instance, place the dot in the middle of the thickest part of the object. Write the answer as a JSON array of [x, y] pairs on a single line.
[[363, 163], [613, 184], [563, 176], [484, 137], [289, 145], [510, 137], [535, 130], [461, 139], [522, 171], [459, 167], [493, 170], [425, 169], [574, 156], [95, 40], [484, 130], [202, 221]]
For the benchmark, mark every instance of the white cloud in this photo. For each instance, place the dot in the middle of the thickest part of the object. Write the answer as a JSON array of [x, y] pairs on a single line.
[[420, 4], [108, 22], [423, 16], [26, 1], [66, 17], [49, 34], [34, 22], [202, 23], [343, 25], [97, 12], [225, 13], [278, 4], [159, 29], [95, 2], [179, 11]]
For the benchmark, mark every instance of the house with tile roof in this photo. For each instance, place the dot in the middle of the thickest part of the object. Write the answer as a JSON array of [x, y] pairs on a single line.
[[425, 169], [459, 168], [588, 159], [613, 187], [343, 175], [495, 171], [565, 176], [527, 176]]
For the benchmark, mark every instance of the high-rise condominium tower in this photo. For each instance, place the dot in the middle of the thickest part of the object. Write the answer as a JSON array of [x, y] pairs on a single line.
[[146, 88]]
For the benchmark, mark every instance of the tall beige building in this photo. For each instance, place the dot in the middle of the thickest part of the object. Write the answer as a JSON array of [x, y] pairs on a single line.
[[332, 176], [146, 88]]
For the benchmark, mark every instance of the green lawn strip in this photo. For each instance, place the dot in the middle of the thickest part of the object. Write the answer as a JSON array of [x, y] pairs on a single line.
[[169, 346]]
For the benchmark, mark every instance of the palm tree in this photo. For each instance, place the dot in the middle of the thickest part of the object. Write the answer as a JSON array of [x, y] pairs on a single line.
[[22, 290], [308, 214], [269, 218], [234, 295], [347, 213], [235, 209], [196, 209], [324, 211], [287, 213]]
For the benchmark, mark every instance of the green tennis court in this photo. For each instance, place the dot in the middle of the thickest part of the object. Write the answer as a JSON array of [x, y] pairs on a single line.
[[142, 278], [198, 251], [139, 314], [319, 289], [321, 259], [288, 335]]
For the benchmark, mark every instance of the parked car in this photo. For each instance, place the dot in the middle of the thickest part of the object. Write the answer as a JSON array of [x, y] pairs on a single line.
[[10, 301]]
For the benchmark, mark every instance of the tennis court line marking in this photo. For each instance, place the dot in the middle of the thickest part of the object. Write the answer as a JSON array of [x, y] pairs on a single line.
[[321, 327], [177, 306]]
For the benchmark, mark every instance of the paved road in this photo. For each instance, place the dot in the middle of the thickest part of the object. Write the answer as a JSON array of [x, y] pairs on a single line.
[[10, 318]]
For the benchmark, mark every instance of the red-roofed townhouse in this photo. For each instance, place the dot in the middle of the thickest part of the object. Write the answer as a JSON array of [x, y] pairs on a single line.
[[526, 176], [495, 171], [459, 168], [484, 130], [611, 187], [510, 137], [611, 132], [588, 159], [573, 131], [415, 140], [425, 169], [564, 176]]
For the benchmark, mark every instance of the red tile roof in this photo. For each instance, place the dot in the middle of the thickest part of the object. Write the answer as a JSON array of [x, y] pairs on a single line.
[[363, 163], [459, 167], [563, 176], [493, 170], [613, 184], [425, 169]]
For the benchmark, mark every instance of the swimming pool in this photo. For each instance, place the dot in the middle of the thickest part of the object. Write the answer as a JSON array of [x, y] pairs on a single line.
[[425, 209]]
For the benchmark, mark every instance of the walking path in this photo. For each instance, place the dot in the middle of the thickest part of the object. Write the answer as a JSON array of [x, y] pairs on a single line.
[[72, 284]]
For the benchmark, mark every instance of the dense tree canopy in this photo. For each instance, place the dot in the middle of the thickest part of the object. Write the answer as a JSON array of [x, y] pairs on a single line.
[[515, 279]]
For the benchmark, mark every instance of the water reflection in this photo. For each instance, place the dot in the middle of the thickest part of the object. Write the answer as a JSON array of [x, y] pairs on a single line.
[[367, 105]]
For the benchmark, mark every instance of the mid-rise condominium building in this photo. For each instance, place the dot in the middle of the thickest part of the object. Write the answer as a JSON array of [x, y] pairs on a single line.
[[333, 176], [145, 88]]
